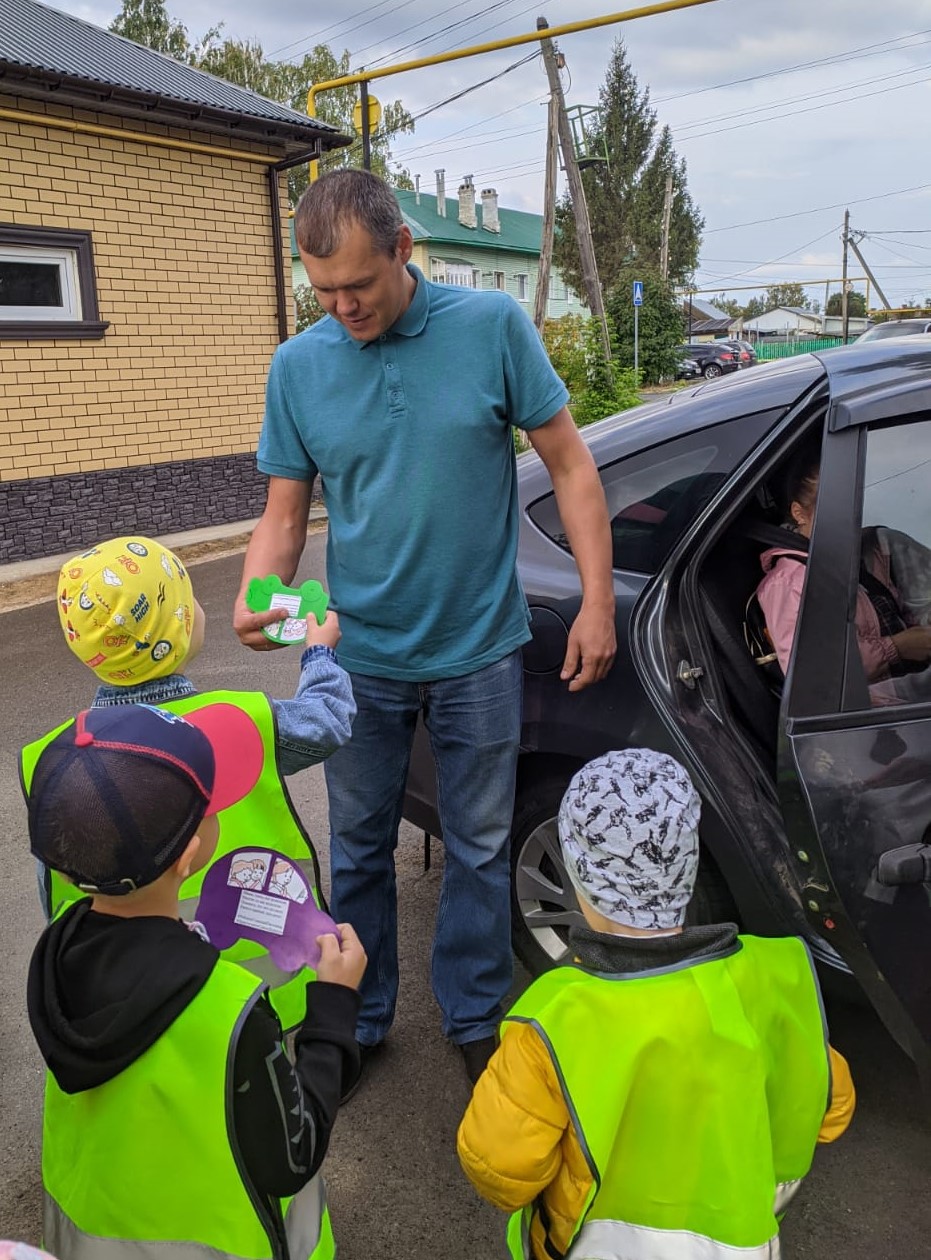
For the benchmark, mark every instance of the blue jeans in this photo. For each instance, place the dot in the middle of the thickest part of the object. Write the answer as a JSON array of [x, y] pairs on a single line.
[[474, 728]]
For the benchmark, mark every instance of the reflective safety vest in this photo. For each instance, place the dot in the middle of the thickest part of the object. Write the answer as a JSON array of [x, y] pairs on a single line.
[[264, 816], [146, 1166], [696, 1092]]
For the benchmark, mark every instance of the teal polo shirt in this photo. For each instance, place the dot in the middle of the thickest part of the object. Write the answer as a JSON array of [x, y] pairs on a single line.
[[411, 435]]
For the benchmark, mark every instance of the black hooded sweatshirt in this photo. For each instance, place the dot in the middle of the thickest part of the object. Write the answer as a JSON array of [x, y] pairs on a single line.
[[102, 989]]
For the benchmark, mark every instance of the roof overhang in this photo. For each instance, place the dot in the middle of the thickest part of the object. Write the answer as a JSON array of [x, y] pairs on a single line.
[[51, 86]]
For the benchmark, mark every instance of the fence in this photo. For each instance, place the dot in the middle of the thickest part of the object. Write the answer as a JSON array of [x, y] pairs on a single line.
[[766, 350]]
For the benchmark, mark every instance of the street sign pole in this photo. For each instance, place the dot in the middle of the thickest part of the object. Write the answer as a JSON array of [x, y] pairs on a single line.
[[637, 296]]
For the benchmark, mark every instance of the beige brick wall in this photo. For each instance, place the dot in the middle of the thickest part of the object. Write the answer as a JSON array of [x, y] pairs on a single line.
[[185, 277]]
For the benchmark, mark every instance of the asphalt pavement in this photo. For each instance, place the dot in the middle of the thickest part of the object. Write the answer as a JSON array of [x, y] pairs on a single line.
[[395, 1185]]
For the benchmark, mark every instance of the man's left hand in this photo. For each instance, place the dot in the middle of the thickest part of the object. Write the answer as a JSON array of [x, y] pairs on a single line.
[[591, 648]]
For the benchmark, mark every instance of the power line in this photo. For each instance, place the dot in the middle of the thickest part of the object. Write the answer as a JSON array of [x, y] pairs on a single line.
[[838, 58], [837, 205], [437, 34], [793, 113], [313, 40], [388, 57], [450, 135]]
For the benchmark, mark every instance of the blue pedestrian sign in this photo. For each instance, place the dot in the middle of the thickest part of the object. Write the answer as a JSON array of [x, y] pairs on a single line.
[[638, 293]]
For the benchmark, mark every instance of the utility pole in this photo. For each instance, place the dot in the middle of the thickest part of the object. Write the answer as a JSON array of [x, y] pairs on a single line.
[[583, 225], [844, 305], [855, 238], [667, 218], [549, 215]]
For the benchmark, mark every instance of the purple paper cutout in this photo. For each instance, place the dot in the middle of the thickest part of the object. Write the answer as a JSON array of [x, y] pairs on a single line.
[[258, 894]]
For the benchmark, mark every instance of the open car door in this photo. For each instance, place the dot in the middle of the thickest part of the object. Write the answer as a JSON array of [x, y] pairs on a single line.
[[855, 747]]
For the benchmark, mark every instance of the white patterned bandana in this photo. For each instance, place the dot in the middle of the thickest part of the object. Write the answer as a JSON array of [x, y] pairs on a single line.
[[628, 826]]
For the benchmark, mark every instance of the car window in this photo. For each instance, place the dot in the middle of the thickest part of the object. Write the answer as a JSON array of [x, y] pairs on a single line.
[[654, 496], [893, 601]]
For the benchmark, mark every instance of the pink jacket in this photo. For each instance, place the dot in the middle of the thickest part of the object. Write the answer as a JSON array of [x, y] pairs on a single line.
[[780, 595]]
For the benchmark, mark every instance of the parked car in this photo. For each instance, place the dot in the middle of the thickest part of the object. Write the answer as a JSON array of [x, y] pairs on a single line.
[[687, 369], [714, 358], [746, 354], [895, 328], [816, 802]]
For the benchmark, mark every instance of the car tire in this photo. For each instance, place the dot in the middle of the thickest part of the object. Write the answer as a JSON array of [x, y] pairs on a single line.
[[542, 899], [543, 904], [711, 371]]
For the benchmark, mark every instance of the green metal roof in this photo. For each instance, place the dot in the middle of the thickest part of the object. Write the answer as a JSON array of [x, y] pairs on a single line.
[[521, 232]]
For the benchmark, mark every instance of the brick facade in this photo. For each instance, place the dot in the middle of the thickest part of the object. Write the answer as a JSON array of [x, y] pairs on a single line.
[[185, 278]]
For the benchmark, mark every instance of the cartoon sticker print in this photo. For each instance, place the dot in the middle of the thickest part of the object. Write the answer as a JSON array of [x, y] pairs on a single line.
[[249, 870], [65, 600], [286, 882], [111, 578], [137, 549], [166, 565], [161, 649]]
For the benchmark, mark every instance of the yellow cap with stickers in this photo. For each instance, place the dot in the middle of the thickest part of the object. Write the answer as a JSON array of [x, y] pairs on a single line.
[[127, 610]]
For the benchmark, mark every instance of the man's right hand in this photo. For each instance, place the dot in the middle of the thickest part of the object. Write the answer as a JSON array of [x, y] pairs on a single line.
[[248, 626]]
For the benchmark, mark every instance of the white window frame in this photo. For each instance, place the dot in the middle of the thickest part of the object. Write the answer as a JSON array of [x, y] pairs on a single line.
[[462, 275], [523, 286], [65, 260]]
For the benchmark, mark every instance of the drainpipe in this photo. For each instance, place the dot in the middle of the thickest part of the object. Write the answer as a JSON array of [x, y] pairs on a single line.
[[274, 204]]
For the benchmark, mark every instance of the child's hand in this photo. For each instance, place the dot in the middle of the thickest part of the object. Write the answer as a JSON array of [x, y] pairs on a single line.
[[341, 961], [328, 634]]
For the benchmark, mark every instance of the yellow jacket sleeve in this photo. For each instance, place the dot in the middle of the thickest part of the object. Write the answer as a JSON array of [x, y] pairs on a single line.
[[843, 1099], [509, 1138]]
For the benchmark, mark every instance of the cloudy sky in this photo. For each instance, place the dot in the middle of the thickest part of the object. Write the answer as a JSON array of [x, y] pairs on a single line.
[[786, 113]]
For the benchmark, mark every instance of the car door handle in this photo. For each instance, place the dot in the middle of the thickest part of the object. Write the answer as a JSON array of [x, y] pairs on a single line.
[[909, 865]]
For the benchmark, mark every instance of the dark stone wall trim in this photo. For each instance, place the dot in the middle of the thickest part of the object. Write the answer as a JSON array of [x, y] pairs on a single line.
[[43, 516]]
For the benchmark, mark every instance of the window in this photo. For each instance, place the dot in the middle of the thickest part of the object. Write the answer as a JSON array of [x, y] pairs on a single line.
[[47, 284], [500, 281], [570, 296], [522, 287], [437, 270], [654, 495], [894, 596], [460, 274]]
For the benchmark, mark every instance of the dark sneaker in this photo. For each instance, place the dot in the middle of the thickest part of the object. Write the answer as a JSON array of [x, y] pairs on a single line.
[[475, 1056], [365, 1053]]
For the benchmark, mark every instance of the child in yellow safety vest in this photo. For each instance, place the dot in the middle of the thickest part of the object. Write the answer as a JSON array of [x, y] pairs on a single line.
[[174, 1121], [128, 612], [662, 1094]]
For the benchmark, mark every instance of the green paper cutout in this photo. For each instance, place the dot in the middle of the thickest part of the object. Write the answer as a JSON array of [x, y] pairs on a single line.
[[270, 592]]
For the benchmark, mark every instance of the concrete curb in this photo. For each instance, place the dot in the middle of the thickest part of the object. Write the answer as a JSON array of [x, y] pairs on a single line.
[[29, 582]]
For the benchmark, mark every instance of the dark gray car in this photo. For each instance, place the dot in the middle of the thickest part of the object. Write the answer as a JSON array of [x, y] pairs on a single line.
[[816, 797]]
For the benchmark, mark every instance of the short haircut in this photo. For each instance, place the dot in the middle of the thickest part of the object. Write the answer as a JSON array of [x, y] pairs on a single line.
[[337, 200]]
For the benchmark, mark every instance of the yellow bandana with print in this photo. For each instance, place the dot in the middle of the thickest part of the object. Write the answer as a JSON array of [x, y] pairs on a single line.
[[127, 610]]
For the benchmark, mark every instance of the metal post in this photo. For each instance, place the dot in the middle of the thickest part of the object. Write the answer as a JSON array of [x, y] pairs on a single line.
[[366, 130], [637, 345], [844, 305]]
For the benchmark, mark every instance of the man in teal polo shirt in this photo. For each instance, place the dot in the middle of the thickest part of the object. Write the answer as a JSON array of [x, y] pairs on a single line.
[[403, 401]]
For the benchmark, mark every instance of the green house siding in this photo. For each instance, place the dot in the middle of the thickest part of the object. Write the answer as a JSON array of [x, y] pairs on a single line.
[[449, 252]]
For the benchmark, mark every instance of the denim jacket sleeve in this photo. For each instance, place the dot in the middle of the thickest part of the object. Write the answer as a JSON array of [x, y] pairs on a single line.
[[318, 720]]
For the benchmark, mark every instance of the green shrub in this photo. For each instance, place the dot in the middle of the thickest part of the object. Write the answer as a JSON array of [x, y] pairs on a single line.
[[596, 389]]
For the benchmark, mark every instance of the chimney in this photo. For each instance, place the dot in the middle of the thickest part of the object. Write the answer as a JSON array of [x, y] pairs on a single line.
[[467, 203], [416, 190], [441, 193], [490, 220]]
